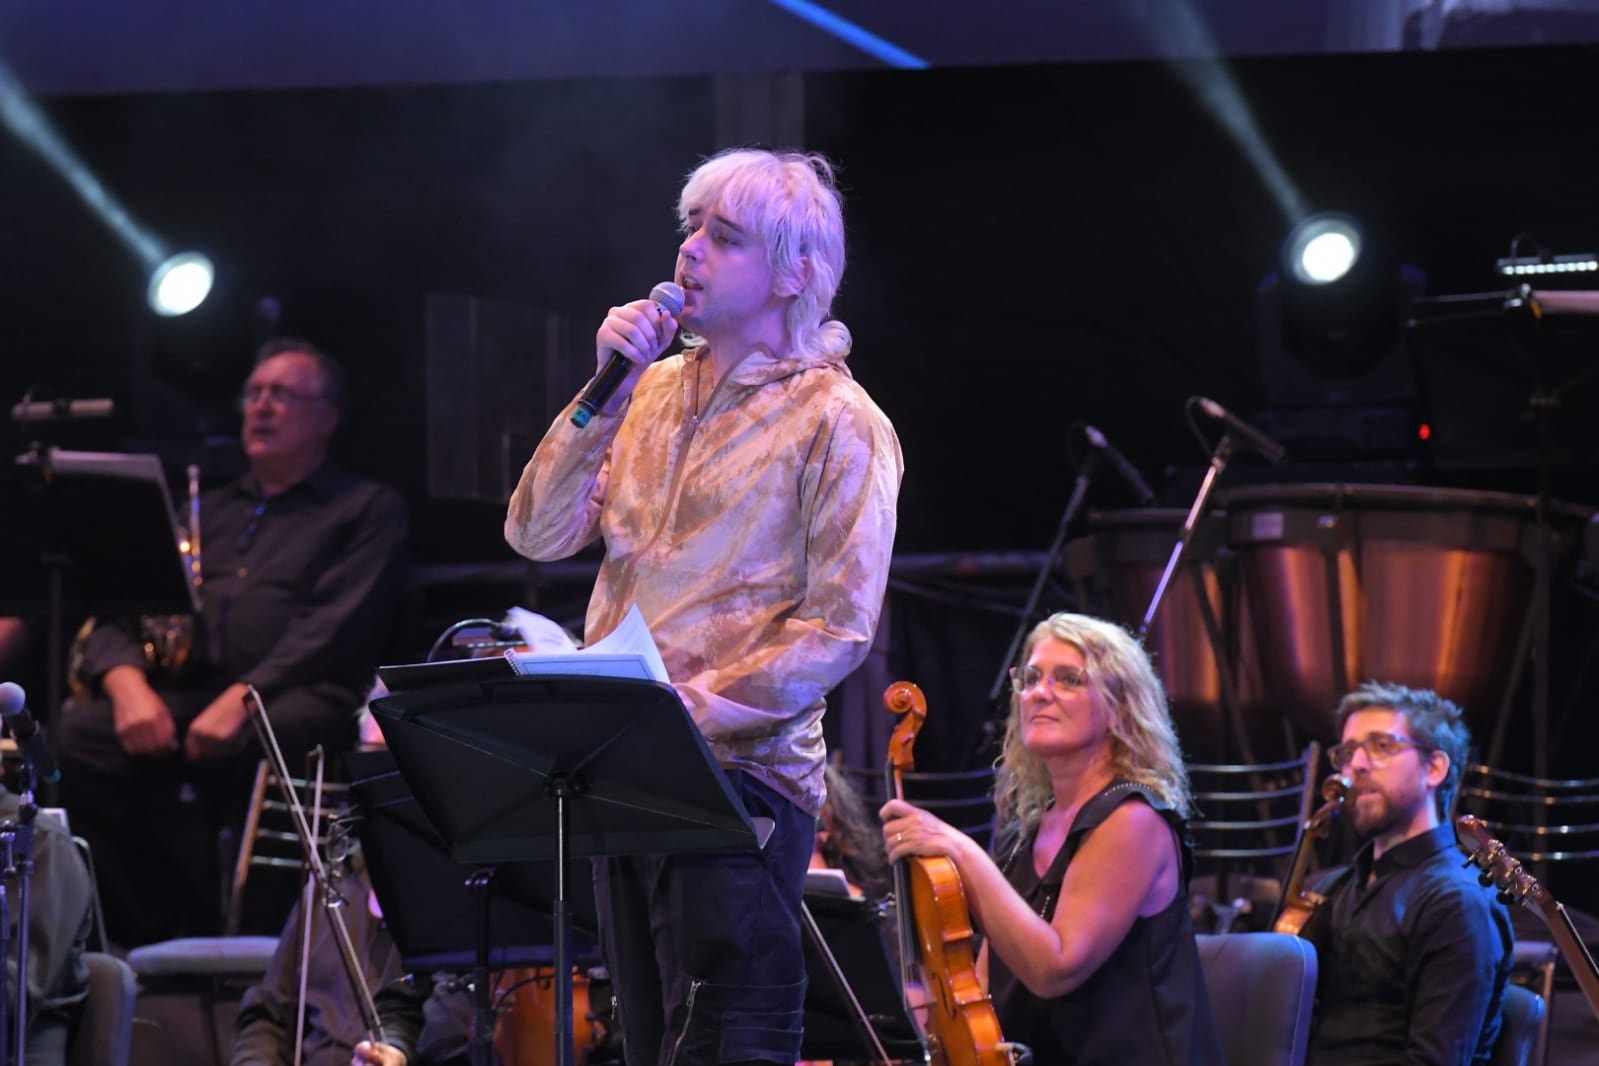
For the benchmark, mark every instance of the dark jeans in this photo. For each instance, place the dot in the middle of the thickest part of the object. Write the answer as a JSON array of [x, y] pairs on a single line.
[[704, 949], [153, 822]]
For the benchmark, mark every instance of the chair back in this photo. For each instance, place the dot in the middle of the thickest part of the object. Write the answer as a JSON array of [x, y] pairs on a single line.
[[963, 798], [1521, 1020], [102, 1031], [1262, 988], [1248, 821], [97, 937], [269, 841], [1539, 820]]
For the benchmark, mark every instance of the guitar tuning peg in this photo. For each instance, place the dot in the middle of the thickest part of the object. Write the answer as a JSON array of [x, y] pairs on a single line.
[[1485, 879], [1506, 898]]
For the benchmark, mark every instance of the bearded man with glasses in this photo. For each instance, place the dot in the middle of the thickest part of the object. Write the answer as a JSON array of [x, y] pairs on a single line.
[[1415, 953]]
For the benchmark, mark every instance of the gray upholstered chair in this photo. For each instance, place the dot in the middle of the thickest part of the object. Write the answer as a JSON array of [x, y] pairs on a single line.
[[1262, 989], [1520, 1026], [102, 1032]]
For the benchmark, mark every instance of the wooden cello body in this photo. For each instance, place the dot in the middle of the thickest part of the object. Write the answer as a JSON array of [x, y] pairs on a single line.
[[935, 924]]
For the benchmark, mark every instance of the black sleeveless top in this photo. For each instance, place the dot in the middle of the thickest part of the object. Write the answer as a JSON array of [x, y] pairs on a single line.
[[1145, 1004]]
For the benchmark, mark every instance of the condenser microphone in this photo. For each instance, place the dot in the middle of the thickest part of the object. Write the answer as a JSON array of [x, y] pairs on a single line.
[[30, 741], [1247, 434], [1129, 472], [668, 296]]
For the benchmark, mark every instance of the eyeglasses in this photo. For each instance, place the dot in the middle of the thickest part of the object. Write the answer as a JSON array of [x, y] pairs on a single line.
[[281, 395], [247, 537], [1380, 746], [1060, 679]]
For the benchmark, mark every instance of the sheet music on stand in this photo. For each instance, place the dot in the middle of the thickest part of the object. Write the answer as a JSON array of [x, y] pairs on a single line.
[[627, 651]]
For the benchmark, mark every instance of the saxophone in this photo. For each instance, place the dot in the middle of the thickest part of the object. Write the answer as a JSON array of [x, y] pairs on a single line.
[[167, 639]]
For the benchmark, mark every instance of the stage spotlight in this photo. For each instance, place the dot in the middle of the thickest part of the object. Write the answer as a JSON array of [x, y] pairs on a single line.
[[1338, 301], [179, 284], [1322, 248]]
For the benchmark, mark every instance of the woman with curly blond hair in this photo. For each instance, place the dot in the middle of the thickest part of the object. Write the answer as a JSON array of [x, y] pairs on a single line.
[[1088, 954]]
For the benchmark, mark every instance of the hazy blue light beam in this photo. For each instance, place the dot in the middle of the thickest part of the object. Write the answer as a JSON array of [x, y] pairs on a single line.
[[854, 35], [20, 115]]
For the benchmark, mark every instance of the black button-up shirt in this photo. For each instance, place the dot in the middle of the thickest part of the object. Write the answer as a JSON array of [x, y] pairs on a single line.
[[298, 588], [1412, 960]]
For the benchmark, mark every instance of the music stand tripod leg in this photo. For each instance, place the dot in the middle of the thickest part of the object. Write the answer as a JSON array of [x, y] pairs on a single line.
[[482, 1004], [857, 1013], [565, 1053]]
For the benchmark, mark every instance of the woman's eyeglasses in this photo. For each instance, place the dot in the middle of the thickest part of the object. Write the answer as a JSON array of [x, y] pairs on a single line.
[[1060, 679]]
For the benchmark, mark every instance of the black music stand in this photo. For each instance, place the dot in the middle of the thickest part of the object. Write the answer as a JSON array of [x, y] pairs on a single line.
[[427, 905], [96, 528], [541, 768], [851, 931]]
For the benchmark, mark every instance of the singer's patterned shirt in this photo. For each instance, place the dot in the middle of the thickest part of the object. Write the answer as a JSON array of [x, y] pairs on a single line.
[[755, 538]]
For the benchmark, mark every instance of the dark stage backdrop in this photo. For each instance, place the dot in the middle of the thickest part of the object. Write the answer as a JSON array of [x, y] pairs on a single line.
[[101, 46], [1030, 246]]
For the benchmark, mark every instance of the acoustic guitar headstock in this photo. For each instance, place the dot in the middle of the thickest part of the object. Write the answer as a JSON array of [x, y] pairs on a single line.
[[1499, 868]]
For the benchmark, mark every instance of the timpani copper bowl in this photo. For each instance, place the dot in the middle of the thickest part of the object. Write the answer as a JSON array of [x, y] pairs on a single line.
[[1425, 587]]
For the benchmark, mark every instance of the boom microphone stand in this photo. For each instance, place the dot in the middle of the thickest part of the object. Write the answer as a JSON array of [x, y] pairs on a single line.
[[1085, 474], [1523, 302], [1220, 455], [304, 829]]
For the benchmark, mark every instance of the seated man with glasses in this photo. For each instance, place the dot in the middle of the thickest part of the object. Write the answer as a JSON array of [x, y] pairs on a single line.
[[1414, 953], [302, 573]]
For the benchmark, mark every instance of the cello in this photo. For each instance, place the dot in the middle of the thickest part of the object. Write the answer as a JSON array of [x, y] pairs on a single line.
[[1298, 907], [935, 925]]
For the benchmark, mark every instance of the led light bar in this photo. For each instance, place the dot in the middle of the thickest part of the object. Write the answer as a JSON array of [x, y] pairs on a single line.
[[1548, 264]]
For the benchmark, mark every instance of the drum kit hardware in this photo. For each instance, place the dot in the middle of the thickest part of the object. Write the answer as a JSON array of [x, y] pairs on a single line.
[[1277, 599]]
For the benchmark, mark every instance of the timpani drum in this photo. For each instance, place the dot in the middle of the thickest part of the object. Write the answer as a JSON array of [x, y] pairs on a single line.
[[1424, 587], [1114, 571]]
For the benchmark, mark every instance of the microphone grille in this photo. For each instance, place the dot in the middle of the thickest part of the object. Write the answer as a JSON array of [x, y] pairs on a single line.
[[12, 698], [669, 294]]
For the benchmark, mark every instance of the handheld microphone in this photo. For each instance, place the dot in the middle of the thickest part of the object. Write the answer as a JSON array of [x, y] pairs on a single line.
[[1247, 434], [53, 410], [1129, 472], [30, 741], [668, 296]]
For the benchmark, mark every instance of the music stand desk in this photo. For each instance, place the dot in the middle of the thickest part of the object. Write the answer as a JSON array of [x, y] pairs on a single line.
[[427, 905], [556, 768]]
